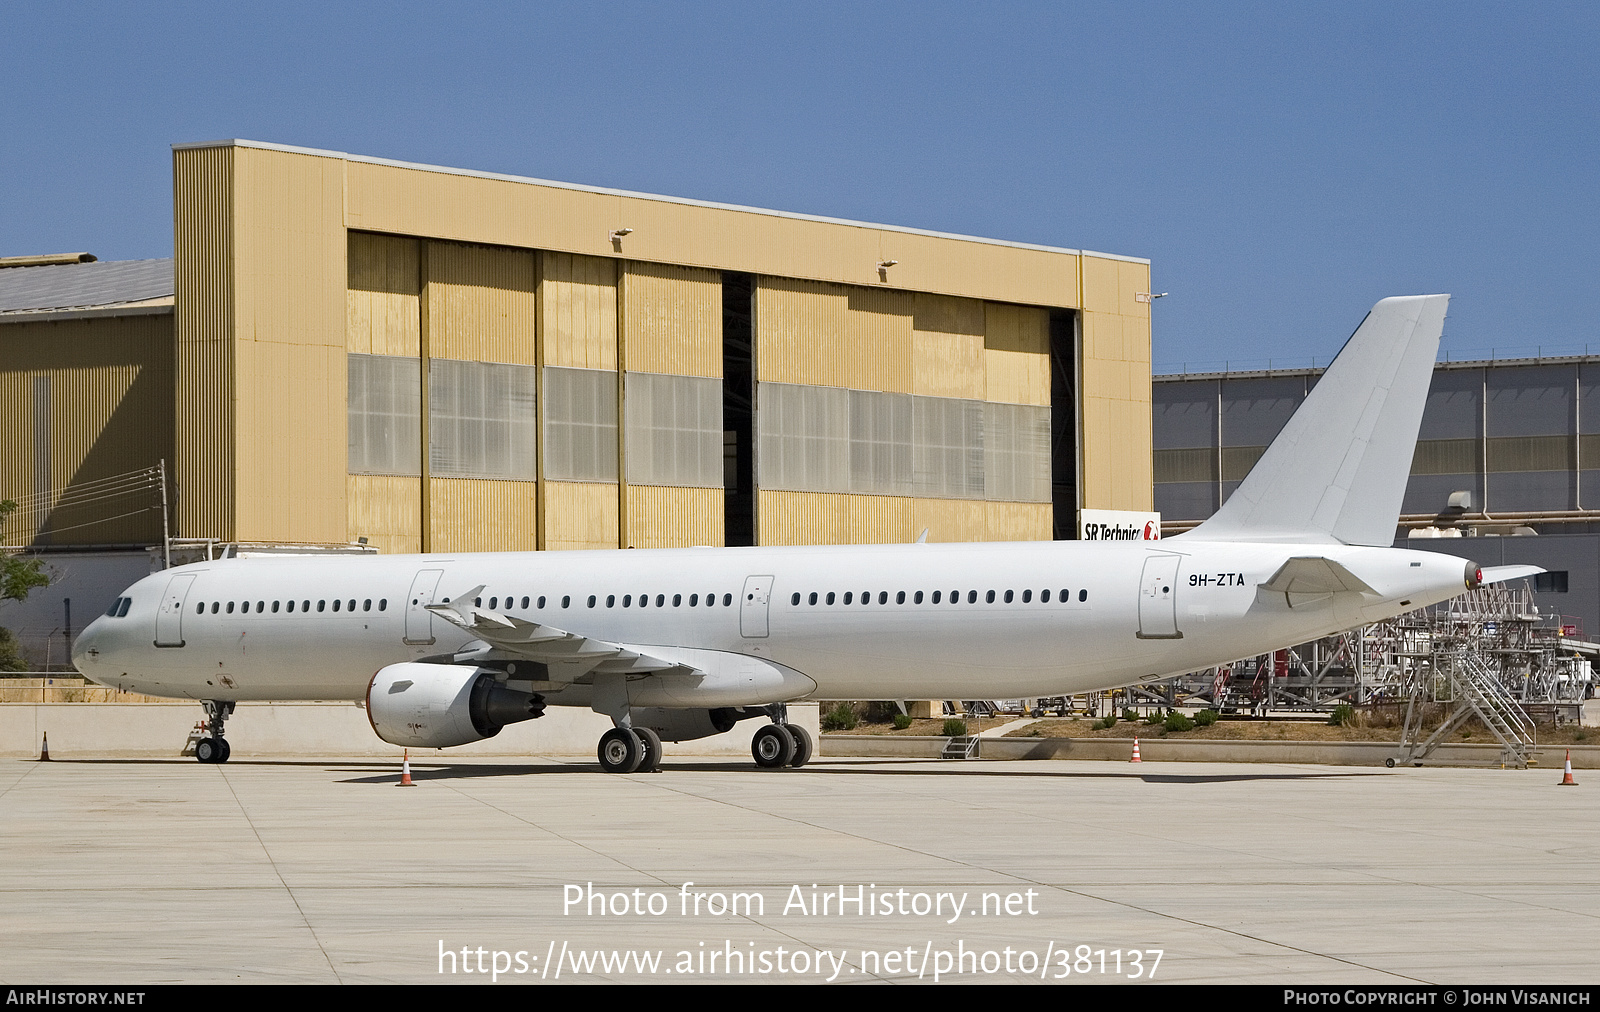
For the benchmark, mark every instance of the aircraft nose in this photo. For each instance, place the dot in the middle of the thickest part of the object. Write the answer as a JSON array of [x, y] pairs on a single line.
[[86, 649]]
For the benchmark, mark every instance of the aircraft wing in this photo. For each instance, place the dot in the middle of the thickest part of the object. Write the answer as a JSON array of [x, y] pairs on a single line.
[[567, 655]]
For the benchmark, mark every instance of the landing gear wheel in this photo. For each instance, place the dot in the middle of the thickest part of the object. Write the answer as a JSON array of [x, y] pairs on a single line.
[[650, 760], [802, 745], [1389, 763], [207, 749], [224, 750], [773, 746], [620, 751]]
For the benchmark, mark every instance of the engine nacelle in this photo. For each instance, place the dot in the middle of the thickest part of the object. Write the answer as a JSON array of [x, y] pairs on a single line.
[[673, 724], [439, 705]]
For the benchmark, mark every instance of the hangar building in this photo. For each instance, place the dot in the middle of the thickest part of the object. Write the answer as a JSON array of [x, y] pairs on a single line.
[[436, 359], [1520, 436]]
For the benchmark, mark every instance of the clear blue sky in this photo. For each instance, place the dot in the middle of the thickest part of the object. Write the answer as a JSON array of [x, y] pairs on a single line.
[[1283, 165]]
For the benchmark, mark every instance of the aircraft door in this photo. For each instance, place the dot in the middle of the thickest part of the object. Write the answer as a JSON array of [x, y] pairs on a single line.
[[1158, 598], [753, 607], [419, 620], [169, 620]]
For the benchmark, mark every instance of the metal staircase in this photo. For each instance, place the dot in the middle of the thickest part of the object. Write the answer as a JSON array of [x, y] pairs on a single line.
[[964, 747], [1475, 691]]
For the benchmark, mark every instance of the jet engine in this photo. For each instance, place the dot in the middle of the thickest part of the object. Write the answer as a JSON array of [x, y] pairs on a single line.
[[673, 724], [439, 705]]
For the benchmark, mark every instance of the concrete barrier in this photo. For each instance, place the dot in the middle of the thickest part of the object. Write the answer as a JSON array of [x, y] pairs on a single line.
[[1353, 753], [85, 730]]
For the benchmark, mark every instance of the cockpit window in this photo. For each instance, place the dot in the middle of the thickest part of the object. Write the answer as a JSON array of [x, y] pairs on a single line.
[[122, 612]]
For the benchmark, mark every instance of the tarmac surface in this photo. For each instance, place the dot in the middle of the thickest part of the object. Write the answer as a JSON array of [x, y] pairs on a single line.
[[138, 871]]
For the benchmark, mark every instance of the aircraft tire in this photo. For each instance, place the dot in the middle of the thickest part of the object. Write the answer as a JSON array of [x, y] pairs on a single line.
[[224, 750], [773, 746], [620, 751], [650, 742], [206, 750], [802, 745]]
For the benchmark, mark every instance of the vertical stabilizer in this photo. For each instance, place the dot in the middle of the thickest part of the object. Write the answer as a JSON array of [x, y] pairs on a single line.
[[1338, 470]]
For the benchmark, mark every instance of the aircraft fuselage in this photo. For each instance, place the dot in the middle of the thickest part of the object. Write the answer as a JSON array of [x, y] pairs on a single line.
[[975, 620]]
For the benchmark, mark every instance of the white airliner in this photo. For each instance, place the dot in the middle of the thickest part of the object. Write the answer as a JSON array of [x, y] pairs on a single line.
[[678, 644]]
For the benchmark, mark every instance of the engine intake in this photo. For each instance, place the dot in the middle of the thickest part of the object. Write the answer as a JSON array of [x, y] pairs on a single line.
[[440, 705]]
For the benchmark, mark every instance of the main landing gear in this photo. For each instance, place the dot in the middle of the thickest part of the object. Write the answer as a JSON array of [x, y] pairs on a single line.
[[779, 743], [215, 748], [630, 750]]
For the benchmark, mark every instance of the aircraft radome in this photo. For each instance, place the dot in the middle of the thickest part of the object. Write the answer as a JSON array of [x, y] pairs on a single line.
[[678, 644]]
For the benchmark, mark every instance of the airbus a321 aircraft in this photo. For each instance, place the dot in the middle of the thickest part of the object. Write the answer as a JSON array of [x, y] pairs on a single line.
[[678, 644]]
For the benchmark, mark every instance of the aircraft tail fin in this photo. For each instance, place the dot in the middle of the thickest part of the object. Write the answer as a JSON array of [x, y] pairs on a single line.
[[1337, 472]]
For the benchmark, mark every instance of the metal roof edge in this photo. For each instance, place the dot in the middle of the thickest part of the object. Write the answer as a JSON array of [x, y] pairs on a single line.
[[1445, 364], [608, 191], [48, 315]]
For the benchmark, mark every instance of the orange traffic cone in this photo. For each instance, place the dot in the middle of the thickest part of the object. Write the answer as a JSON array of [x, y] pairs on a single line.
[[405, 771], [1566, 777], [44, 749], [1136, 758]]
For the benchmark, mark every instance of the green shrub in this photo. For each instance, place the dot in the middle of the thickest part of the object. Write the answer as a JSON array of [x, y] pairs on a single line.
[[1205, 718], [1129, 713], [954, 727], [880, 711], [11, 658], [1106, 723], [1178, 722], [902, 721], [1344, 715], [1155, 718], [841, 718]]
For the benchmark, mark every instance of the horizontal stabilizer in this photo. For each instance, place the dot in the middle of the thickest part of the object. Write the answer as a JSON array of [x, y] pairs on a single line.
[[1500, 574], [1315, 575]]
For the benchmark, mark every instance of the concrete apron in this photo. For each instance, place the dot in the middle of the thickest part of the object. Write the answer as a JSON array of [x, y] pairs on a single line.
[[149, 730], [1356, 753]]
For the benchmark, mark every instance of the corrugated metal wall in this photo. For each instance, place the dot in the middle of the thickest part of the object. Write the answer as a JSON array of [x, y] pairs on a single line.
[[947, 347], [1115, 386], [82, 401], [290, 283], [383, 315], [481, 303], [409, 201], [662, 516], [580, 515], [477, 515], [673, 319], [205, 474], [386, 510], [578, 311]]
